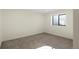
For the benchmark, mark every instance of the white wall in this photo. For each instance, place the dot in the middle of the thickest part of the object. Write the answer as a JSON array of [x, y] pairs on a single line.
[[0, 27], [64, 31], [20, 23], [76, 28]]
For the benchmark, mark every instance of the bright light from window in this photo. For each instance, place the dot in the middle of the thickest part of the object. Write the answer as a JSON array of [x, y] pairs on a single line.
[[62, 19], [55, 22]]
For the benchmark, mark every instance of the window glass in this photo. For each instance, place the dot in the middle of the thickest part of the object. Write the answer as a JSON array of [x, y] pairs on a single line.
[[55, 21], [59, 20], [62, 19]]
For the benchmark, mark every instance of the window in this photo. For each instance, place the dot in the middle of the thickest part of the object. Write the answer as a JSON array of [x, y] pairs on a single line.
[[59, 20]]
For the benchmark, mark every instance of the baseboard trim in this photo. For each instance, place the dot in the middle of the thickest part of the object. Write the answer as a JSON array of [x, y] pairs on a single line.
[[37, 34], [58, 35], [24, 36]]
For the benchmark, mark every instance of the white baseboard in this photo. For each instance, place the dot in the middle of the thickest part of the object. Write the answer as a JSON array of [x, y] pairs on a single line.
[[59, 36]]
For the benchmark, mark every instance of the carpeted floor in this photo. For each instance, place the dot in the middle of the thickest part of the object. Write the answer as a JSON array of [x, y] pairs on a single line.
[[37, 41]]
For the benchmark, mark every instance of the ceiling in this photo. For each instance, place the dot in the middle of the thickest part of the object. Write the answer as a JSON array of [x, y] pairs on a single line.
[[43, 10], [35, 10]]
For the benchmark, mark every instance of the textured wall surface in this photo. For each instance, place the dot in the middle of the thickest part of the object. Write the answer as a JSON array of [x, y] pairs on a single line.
[[76, 28], [0, 27]]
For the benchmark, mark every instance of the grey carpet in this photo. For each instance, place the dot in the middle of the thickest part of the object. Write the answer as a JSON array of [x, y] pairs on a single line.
[[36, 41]]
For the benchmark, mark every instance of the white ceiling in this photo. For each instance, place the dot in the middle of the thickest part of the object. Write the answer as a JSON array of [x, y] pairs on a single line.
[[43, 10]]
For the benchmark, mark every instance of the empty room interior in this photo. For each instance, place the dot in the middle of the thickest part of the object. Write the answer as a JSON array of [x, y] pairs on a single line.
[[38, 28]]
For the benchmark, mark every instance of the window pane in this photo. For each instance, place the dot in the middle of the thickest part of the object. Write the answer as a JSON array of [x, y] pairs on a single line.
[[55, 20], [62, 19]]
